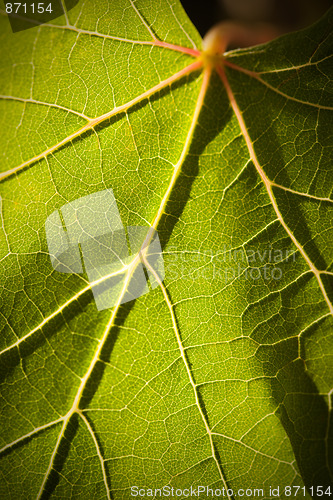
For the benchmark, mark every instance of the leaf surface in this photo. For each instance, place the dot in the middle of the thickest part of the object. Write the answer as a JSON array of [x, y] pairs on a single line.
[[222, 374]]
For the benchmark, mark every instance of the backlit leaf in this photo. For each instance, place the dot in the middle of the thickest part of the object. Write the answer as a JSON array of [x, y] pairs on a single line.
[[222, 374]]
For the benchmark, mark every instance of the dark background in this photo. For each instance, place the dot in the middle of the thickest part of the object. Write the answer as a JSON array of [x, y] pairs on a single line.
[[283, 15]]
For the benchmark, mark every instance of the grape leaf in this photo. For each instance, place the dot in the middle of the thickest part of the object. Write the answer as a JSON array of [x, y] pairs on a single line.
[[220, 375]]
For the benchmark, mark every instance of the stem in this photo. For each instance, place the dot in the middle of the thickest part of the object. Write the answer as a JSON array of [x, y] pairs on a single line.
[[227, 33]]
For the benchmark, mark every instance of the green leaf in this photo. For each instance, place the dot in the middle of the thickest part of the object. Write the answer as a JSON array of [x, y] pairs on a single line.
[[222, 374]]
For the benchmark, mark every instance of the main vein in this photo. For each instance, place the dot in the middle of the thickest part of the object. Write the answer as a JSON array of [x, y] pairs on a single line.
[[131, 269], [189, 374], [269, 184], [93, 122]]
